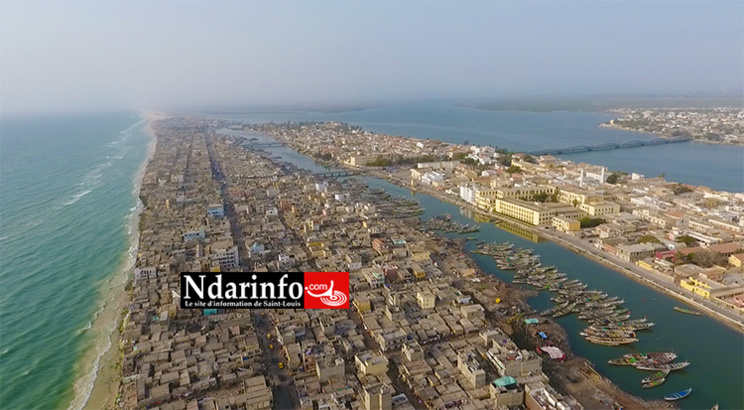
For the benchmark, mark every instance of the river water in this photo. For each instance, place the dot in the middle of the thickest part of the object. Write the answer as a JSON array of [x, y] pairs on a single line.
[[717, 166], [715, 350]]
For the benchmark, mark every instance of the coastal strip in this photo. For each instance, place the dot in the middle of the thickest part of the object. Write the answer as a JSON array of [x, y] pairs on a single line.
[[98, 387]]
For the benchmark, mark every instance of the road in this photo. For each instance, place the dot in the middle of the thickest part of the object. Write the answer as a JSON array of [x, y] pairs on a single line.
[[282, 384], [280, 380]]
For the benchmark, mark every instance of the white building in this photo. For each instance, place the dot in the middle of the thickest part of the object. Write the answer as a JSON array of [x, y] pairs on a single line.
[[432, 177], [321, 186], [467, 193]]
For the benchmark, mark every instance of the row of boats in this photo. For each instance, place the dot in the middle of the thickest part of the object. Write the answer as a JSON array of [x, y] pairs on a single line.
[[444, 223], [609, 323], [659, 362]]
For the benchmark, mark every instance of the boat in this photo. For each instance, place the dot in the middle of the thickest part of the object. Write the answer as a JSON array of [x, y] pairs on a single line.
[[657, 367], [655, 357], [654, 383], [611, 341], [688, 311], [678, 395], [656, 376], [623, 361]]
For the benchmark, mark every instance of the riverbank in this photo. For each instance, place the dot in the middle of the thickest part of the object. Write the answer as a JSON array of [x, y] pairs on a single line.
[[577, 375], [107, 378], [585, 250], [667, 136]]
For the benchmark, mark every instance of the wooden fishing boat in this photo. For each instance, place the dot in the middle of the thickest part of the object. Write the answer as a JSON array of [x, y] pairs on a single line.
[[657, 382], [656, 376], [657, 367], [678, 395], [688, 311], [622, 361], [655, 357]]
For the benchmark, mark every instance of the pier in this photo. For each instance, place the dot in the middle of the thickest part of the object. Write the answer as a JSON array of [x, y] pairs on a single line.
[[610, 145]]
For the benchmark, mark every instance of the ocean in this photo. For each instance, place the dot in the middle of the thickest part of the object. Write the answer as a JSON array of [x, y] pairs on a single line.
[[68, 208], [716, 166]]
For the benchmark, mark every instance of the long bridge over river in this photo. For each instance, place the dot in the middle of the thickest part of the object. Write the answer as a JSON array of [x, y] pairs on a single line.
[[610, 145]]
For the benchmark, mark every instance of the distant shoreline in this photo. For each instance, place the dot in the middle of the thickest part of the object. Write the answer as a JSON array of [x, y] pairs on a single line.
[[662, 135]]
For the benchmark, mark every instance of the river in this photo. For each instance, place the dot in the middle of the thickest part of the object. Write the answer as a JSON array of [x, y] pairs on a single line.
[[717, 166], [715, 350]]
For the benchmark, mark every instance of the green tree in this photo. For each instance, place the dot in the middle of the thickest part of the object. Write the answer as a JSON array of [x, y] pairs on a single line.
[[587, 222], [687, 240], [513, 169], [612, 178], [541, 197], [379, 162], [648, 239]]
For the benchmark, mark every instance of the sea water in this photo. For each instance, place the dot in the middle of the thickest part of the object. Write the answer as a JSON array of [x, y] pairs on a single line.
[[68, 207], [716, 166]]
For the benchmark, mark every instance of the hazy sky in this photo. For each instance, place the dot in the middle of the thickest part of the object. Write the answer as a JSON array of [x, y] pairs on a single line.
[[139, 54]]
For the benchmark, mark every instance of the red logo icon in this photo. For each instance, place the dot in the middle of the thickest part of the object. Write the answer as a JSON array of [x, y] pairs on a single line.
[[326, 290]]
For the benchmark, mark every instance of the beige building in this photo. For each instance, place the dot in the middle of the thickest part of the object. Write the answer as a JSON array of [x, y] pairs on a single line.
[[377, 396], [371, 363], [600, 208], [470, 368], [525, 211], [525, 192], [566, 224], [426, 300], [571, 195]]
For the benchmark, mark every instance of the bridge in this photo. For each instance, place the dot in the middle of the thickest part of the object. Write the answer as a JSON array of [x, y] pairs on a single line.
[[263, 144], [610, 145], [335, 174], [329, 174]]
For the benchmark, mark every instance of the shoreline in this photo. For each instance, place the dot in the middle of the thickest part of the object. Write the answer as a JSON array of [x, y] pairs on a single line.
[[593, 384], [105, 374], [666, 136], [576, 249], [547, 235]]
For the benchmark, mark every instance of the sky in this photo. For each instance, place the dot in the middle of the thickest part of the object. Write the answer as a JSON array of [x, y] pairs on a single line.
[[75, 56]]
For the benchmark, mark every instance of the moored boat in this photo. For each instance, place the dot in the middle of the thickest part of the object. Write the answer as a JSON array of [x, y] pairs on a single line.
[[623, 361], [678, 395], [654, 383], [656, 357], [657, 367], [656, 376], [688, 311]]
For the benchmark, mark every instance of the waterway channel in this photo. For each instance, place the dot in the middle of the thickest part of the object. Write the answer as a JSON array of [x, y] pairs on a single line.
[[716, 352]]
